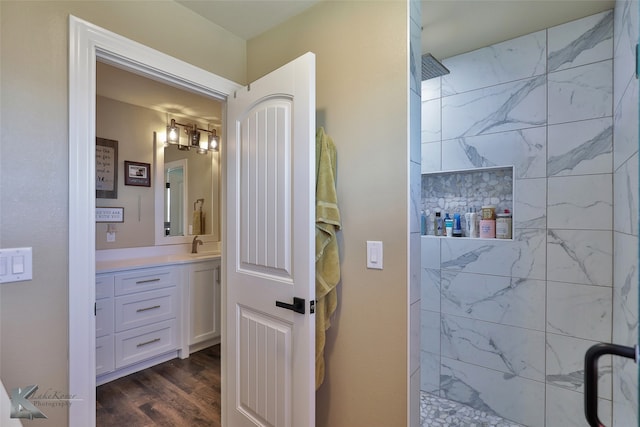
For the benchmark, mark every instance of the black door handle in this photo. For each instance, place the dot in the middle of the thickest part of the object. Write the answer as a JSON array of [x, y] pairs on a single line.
[[591, 376], [297, 306]]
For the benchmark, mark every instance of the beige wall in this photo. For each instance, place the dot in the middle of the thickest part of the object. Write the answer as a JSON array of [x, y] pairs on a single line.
[[34, 160], [362, 96], [133, 128]]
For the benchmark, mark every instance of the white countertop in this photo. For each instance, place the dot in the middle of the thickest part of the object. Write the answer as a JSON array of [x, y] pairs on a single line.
[[113, 265]]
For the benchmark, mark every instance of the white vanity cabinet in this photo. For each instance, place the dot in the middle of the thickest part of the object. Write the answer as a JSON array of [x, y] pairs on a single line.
[[137, 319], [105, 355], [204, 304], [154, 311]]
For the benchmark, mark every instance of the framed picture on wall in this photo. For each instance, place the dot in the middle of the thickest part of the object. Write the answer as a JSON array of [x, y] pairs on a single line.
[[106, 168], [136, 173]]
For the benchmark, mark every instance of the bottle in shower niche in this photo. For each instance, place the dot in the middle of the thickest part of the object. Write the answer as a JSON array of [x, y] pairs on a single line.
[[488, 222], [423, 223], [503, 225], [448, 225], [476, 223], [438, 226], [457, 226], [471, 219]]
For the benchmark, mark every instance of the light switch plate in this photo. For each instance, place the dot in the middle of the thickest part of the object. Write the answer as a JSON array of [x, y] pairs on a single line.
[[16, 265], [374, 254]]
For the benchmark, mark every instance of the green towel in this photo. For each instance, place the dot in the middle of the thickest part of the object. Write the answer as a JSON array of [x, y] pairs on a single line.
[[327, 255]]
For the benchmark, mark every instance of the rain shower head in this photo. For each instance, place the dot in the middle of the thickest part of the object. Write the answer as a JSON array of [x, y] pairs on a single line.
[[431, 67]]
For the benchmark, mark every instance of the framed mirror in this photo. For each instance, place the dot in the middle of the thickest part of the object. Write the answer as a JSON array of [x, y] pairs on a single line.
[[136, 110]]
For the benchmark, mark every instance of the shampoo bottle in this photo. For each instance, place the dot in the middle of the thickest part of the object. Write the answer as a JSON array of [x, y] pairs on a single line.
[[448, 225], [437, 225], [468, 223], [472, 223], [457, 226], [476, 223], [423, 223]]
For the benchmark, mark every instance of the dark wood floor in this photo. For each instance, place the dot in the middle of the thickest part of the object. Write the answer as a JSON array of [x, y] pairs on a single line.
[[175, 393]]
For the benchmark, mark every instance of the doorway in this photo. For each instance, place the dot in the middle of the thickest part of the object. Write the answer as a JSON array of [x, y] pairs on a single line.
[[134, 112], [90, 44]]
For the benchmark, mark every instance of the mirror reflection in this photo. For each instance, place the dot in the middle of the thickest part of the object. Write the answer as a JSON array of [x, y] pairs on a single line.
[[184, 196]]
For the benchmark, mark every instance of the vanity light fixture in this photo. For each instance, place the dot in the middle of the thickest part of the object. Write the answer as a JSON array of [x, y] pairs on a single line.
[[193, 140]]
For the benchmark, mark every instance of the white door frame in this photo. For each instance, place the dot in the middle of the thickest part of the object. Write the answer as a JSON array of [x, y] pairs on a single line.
[[88, 43]]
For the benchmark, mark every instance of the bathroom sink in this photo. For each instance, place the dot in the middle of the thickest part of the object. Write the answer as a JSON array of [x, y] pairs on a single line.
[[204, 255]]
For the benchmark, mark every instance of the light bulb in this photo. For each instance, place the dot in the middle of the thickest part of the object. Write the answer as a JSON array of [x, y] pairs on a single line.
[[173, 135]]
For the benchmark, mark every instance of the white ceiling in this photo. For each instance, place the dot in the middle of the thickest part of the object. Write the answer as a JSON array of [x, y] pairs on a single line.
[[248, 18], [450, 27]]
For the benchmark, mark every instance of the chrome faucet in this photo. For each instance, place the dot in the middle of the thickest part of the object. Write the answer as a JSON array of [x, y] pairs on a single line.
[[194, 245]]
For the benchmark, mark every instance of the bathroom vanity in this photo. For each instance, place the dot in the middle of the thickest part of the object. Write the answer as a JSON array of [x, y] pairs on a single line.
[[150, 310]]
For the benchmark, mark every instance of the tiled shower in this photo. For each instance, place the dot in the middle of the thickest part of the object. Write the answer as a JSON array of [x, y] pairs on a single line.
[[505, 323]]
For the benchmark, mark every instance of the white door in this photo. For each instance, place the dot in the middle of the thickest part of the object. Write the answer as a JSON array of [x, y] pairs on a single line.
[[269, 250]]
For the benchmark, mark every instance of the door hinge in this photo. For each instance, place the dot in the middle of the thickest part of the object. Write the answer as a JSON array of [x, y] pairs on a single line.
[[312, 306], [95, 309]]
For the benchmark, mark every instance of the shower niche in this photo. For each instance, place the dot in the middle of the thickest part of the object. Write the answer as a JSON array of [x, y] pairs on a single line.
[[457, 191]]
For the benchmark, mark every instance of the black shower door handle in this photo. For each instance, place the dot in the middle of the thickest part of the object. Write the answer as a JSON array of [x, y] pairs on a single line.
[[591, 376]]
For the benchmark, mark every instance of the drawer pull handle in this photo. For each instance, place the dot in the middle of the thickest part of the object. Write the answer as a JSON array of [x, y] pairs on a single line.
[[147, 308], [140, 282], [142, 344]]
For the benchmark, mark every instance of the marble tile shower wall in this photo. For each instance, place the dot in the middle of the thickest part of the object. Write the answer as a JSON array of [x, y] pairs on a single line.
[[625, 208], [415, 48], [505, 324]]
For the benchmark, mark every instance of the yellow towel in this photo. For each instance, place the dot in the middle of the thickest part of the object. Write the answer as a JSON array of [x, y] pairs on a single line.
[[327, 256]]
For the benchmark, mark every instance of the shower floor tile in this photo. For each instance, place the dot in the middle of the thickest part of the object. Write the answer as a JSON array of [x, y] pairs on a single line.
[[439, 412]]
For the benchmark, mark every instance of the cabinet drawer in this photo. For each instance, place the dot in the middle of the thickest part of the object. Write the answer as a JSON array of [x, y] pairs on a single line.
[[144, 280], [144, 308], [104, 286], [104, 317], [105, 355], [142, 343]]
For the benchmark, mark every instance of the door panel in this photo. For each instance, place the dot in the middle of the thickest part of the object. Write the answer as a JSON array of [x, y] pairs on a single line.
[[265, 369], [265, 196], [269, 249]]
